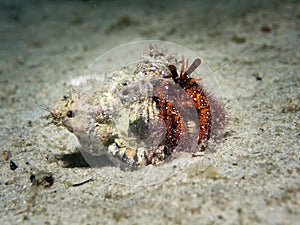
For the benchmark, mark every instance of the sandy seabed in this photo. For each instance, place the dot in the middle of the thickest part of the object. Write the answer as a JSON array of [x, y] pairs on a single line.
[[251, 176]]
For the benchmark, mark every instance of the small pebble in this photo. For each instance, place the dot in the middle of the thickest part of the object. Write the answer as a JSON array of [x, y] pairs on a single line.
[[42, 178], [238, 39], [5, 155], [266, 29], [13, 165], [257, 76]]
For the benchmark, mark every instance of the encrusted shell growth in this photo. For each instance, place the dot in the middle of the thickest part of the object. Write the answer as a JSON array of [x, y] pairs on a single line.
[[141, 113]]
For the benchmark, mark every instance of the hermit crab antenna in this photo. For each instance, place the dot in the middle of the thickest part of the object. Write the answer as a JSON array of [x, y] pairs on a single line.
[[193, 66]]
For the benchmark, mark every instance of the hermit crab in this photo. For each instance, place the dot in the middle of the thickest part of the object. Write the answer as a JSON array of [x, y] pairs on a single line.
[[140, 109]]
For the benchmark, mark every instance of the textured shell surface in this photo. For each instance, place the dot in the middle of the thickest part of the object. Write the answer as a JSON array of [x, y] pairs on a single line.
[[117, 115]]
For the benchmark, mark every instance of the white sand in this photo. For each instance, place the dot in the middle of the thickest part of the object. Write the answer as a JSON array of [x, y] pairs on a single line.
[[254, 173]]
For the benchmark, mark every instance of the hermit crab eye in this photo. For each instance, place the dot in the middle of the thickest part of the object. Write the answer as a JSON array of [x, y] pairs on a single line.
[[194, 66], [70, 114]]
